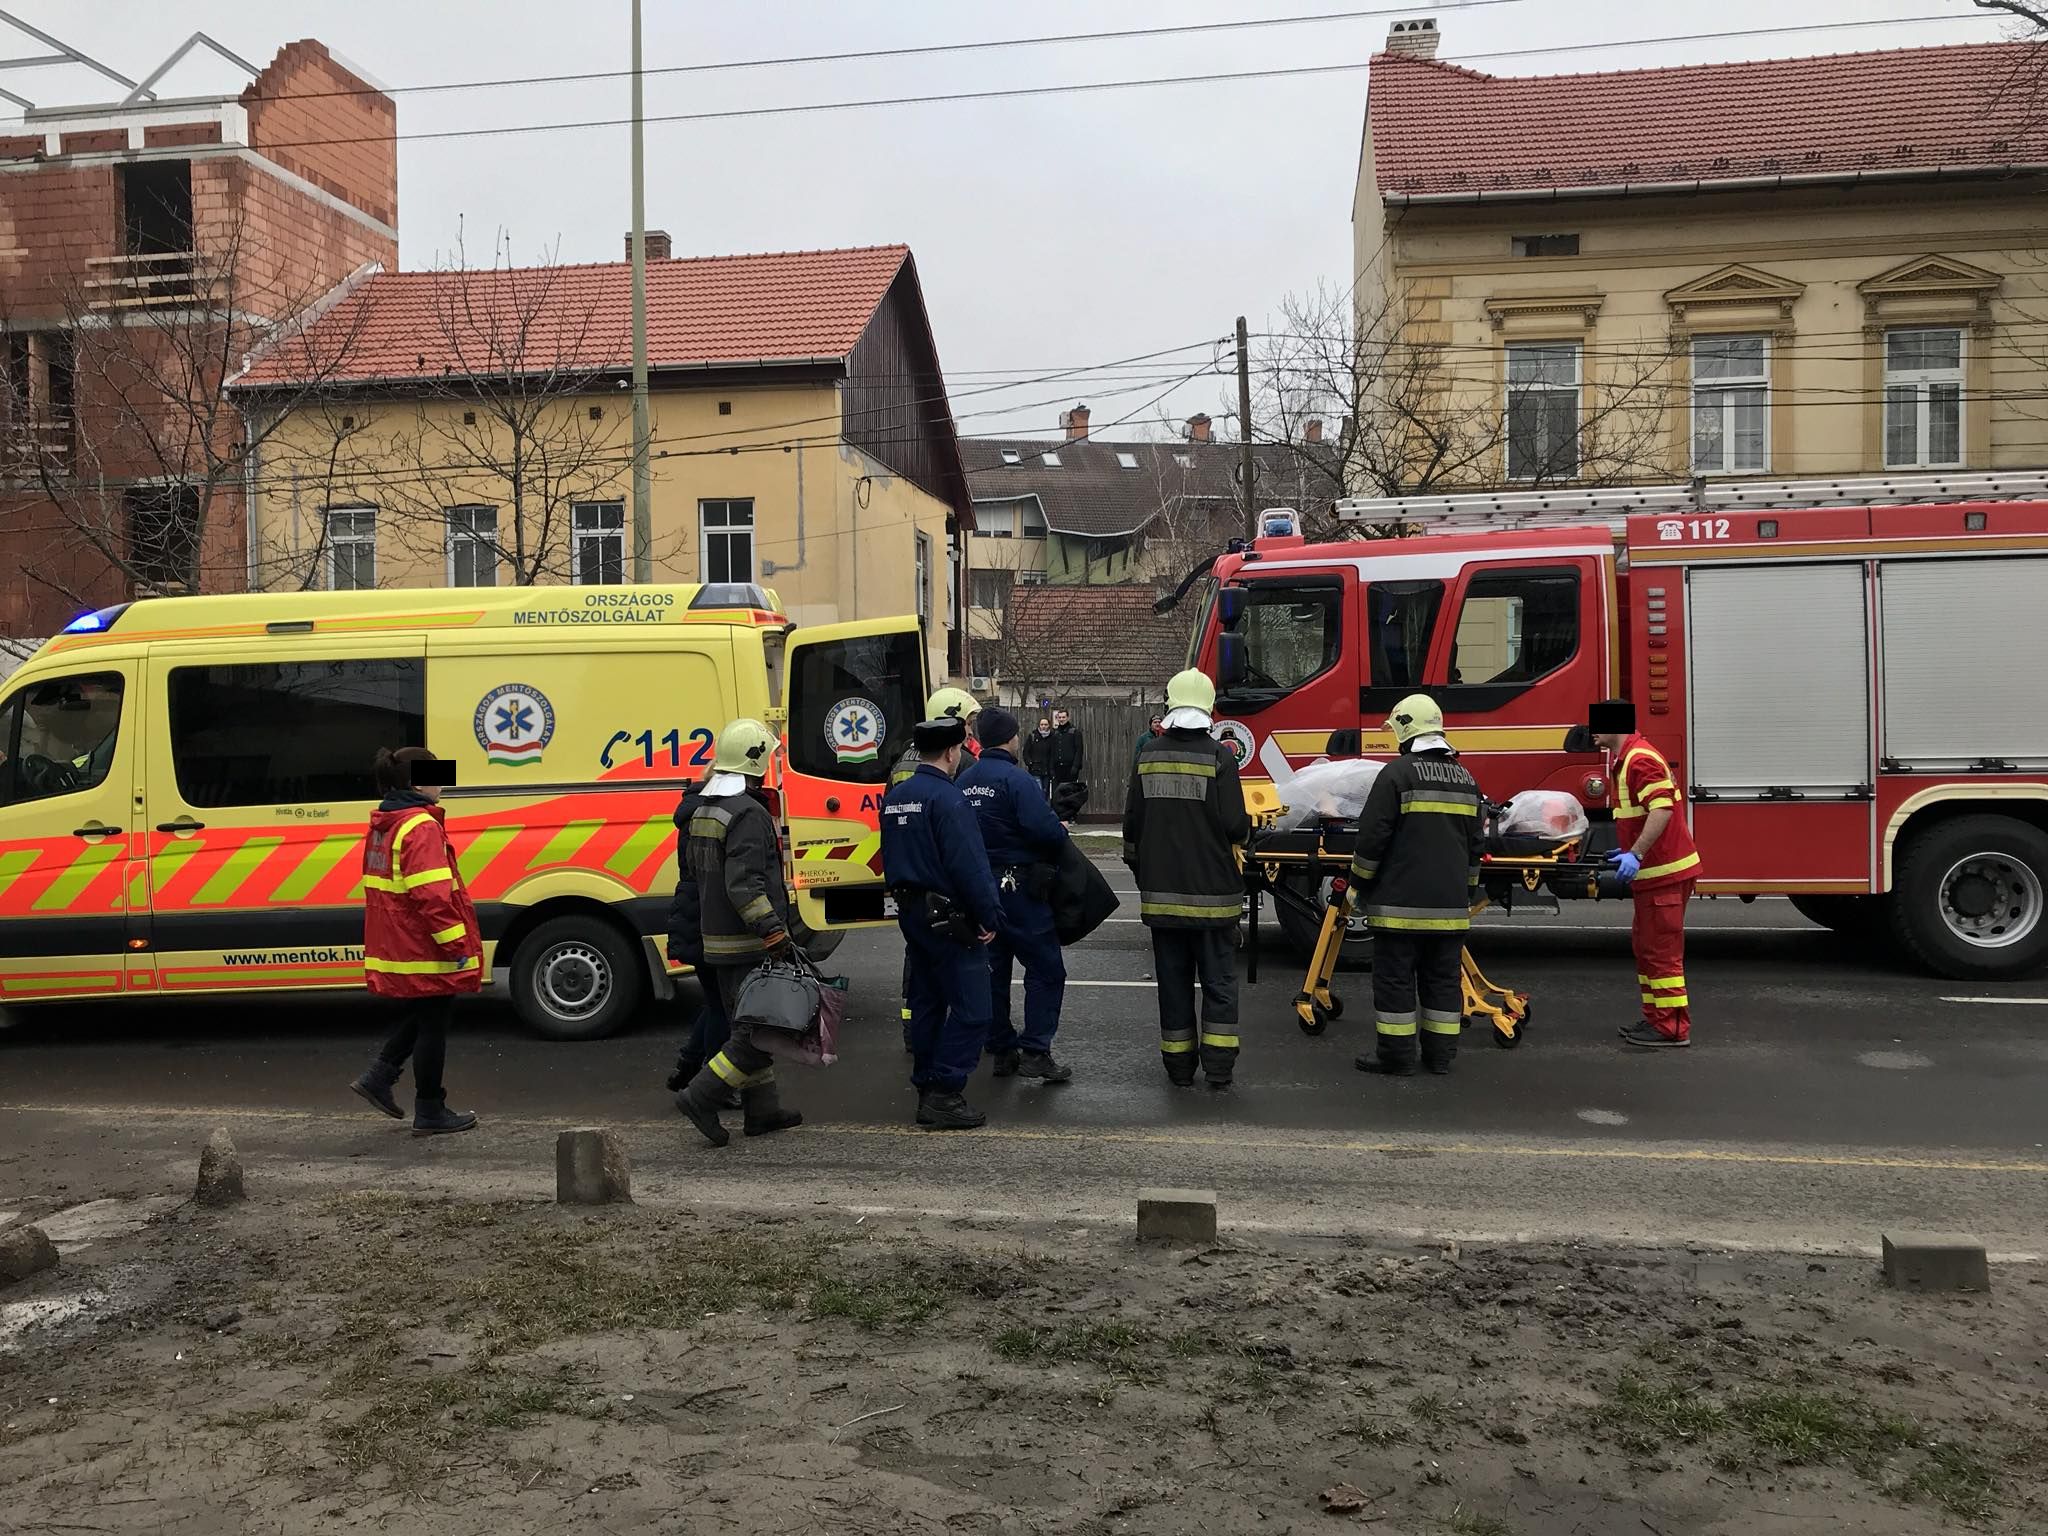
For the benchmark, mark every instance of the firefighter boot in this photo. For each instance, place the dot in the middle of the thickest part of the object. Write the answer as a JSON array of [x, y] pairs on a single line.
[[375, 1085], [701, 1101], [433, 1117], [765, 1114]]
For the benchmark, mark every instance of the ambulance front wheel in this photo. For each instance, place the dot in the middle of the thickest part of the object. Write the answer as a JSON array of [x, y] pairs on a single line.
[[575, 978]]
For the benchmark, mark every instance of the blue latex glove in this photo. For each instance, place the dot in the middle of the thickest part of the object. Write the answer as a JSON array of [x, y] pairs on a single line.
[[1626, 865]]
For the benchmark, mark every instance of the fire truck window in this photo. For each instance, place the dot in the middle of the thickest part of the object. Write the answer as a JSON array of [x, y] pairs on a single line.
[[292, 733], [59, 736], [1291, 635], [1402, 617], [1516, 626], [852, 704]]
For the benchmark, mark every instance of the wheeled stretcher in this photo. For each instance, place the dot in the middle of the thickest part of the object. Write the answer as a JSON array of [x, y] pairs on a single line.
[[1295, 868]]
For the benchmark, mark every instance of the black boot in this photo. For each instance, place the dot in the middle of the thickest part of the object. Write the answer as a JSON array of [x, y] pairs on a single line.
[[1372, 1061], [688, 1065], [942, 1111], [1042, 1066], [1007, 1063], [433, 1117], [701, 1101], [375, 1086], [765, 1114]]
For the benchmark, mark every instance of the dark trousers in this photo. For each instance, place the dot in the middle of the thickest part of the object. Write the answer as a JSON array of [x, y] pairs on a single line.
[[1027, 936], [1180, 956], [1417, 997], [421, 1035], [708, 1031], [948, 1000], [739, 1063], [1044, 782]]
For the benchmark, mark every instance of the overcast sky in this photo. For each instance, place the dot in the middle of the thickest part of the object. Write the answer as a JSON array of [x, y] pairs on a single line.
[[1051, 232]]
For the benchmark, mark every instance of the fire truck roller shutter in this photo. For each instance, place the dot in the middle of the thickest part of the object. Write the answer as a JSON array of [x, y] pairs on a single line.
[[1965, 661]]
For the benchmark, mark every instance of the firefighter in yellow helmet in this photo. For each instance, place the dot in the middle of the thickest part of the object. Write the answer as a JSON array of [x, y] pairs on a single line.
[[1415, 871], [736, 855], [1184, 820], [945, 704]]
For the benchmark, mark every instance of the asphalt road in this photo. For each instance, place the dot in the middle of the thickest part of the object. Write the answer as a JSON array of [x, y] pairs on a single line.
[[1829, 1095]]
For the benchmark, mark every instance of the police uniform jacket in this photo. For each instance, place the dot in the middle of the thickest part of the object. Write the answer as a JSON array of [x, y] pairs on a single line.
[[737, 860], [1420, 835], [1017, 826], [910, 762], [1183, 817], [931, 842]]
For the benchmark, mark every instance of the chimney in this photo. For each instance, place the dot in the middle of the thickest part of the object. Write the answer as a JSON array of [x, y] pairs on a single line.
[[1197, 429], [1415, 39], [657, 245], [1075, 422], [1312, 431]]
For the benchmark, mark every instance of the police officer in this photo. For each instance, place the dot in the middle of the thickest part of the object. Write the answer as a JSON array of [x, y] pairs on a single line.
[[1416, 871], [947, 703], [1184, 819], [946, 903], [737, 858], [1024, 840]]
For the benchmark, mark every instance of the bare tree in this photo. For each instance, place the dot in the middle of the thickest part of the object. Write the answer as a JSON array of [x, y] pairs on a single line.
[[121, 449]]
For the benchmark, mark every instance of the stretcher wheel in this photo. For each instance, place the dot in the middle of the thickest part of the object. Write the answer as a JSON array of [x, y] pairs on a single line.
[[1311, 1015], [1508, 1042], [1335, 1007]]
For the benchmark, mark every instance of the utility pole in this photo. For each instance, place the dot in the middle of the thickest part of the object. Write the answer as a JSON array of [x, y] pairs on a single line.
[[1247, 469], [643, 492]]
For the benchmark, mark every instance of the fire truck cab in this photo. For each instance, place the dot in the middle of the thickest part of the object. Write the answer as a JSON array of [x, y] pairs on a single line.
[[1855, 696]]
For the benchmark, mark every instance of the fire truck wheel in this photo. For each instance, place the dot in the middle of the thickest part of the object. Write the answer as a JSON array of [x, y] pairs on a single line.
[[576, 978], [1968, 897]]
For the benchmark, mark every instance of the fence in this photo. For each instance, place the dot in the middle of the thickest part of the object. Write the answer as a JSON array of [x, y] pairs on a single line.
[[1109, 731]]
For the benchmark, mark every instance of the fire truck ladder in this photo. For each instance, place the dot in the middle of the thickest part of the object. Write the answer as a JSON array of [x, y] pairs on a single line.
[[1610, 505]]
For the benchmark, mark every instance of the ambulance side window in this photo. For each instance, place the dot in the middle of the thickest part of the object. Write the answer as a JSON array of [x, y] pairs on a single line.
[[59, 736], [291, 733]]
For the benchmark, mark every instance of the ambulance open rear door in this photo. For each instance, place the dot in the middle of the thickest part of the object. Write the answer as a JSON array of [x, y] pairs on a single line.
[[851, 693]]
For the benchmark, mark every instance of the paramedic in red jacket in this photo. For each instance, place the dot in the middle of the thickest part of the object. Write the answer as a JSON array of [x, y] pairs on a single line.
[[1656, 860], [421, 948]]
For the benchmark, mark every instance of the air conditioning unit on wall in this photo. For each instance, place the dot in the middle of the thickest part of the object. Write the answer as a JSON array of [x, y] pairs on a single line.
[[980, 684]]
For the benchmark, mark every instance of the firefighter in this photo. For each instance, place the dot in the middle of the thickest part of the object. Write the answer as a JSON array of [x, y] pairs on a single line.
[[1024, 840], [947, 907], [946, 703], [421, 946], [737, 859], [1184, 822], [710, 1030], [1415, 872], [1659, 864]]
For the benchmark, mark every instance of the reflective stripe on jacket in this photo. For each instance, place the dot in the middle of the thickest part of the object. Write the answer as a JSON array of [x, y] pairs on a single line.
[[1416, 866], [1644, 782], [1184, 819], [737, 858], [420, 936]]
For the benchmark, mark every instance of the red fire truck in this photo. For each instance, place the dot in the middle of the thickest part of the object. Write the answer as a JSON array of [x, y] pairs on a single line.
[[1850, 677]]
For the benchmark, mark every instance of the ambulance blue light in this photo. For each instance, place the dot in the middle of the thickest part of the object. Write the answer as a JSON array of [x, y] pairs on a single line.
[[96, 622]]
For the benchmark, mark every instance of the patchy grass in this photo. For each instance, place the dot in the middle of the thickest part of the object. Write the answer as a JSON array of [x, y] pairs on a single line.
[[1954, 1477], [1378, 1429], [1815, 1428], [1115, 1347], [1644, 1418], [256, 1418], [1467, 1523], [413, 1425]]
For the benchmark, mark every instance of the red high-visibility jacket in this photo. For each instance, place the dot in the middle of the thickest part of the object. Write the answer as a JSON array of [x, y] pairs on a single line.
[[420, 936]]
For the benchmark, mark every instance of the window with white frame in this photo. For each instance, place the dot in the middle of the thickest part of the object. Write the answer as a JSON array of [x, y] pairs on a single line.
[[351, 549], [1731, 401], [924, 579], [727, 549], [1031, 520], [597, 543], [472, 546], [994, 522], [1543, 410], [1923, 398]]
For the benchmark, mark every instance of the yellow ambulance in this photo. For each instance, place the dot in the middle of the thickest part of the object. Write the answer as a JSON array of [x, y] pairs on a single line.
[[186, 781]]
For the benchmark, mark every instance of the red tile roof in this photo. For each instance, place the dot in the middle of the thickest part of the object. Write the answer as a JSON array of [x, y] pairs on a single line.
[[1092, 637], [787, 307], [1440, 129]]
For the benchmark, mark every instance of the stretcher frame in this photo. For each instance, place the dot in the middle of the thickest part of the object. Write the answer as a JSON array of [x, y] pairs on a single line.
[[1323, 851]]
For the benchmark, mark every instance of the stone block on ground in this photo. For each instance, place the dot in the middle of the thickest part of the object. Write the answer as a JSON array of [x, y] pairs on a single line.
[[25, 1251], [1177, 1215], [220, 1172], [1935, 1261], [591, 1168]]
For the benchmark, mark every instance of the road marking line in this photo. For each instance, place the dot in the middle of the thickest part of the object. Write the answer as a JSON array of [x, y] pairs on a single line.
[[2009, 1002], [1132, 1138]]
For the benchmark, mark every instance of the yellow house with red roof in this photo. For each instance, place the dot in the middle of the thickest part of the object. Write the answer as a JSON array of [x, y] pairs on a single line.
[[1781, 269], [474, 428]]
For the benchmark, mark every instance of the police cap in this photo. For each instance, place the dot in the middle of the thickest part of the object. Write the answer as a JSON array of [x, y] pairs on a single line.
[[930, 736]]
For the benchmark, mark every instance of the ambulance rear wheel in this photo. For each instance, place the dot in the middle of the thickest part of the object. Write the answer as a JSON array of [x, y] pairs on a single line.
[[576, 978], [1968, 897]]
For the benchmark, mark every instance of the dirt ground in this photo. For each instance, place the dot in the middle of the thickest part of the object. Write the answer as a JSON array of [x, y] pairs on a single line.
[[342, 1363]]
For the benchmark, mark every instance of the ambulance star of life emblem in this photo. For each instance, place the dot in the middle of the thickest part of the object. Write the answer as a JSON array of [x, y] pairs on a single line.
[[514, 724], [854, 729]]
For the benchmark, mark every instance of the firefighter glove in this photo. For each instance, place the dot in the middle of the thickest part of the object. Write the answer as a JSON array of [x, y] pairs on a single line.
[[778, 946], [1626, 865]]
